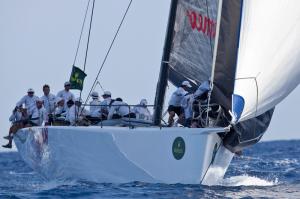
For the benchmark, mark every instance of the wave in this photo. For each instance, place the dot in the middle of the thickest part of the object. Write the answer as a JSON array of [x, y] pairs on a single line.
[[245, 180]]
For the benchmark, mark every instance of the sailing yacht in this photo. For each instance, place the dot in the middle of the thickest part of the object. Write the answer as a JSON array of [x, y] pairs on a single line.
[[252, 64]]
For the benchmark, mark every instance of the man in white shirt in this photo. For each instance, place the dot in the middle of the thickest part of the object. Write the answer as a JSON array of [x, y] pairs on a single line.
[[39, 116], [95, 109], [105, 104], [141, 110], [119, 109], [29, 100], [187, 105], [59, 107], [175, 103], [66, 94], [75, 112], [202, 90], [48, 99], [18, 119]]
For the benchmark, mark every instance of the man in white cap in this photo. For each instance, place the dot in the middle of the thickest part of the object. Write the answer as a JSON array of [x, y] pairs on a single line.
[[95, 109], [66, 94], [105, 104], [48, 99], [39, 115], [19, 119], [59, 107], [75, 112], [141, 110], [175, 103], [29, 100], [119, 109]]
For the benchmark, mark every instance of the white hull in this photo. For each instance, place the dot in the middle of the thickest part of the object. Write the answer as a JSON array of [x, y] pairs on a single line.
[[120, 154]]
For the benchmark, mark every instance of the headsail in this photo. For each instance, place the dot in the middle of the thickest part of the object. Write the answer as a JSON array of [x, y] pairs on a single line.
[[268, 66], [264, 62]]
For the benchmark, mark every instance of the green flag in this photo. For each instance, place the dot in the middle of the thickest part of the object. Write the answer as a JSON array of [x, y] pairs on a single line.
[[77, 78]]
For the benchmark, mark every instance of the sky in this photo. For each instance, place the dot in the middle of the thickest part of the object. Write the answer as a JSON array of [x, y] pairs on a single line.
[[38, 40]]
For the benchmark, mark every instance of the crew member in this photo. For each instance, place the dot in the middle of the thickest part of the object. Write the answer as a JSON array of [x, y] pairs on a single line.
[[119, 109], [18, 119], [48, 99], [175, 103], [95, 109], [39, 115], [66, 94], [29, 100], [105, 104], [141, 110]]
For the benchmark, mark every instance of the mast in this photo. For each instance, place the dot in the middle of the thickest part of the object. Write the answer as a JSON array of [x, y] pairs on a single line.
[[164, 68]]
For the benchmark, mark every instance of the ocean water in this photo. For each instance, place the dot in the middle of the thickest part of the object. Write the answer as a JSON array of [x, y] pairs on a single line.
[[266, 170]]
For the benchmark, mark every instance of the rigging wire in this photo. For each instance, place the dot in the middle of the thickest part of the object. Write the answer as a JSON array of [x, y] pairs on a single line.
[[88, 41], [108, 51], [89, 35], [82, 28]]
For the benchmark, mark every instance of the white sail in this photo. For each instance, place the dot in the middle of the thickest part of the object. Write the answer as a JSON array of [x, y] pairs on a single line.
[[268, 65]]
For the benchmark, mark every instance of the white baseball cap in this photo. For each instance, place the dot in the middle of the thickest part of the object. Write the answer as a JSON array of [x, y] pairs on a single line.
[[94, 94], [30, 90], [67, 84], [39, 100], [107, 93], [186, 83], [58, 99], [143, 102]]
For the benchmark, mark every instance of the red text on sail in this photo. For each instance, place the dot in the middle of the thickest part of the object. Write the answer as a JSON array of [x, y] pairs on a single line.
[[202, 23]]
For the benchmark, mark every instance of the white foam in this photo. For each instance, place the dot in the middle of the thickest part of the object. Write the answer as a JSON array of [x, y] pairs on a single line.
[[48, 185], [285, 161], [246, 180]]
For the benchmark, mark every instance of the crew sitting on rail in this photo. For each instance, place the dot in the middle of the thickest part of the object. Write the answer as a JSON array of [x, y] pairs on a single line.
[[175, 103], [18, 119], [59, 107], [39, 115], [119, 109], [141, 111], [95, 108], [75, 112], [105, 104]]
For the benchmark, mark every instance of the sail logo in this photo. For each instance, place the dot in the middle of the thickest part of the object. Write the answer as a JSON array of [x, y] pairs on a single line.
[[202, 23], [178, 148]]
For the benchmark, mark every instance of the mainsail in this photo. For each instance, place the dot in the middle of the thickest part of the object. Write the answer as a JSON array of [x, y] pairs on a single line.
[[189, 46], [193, 41]]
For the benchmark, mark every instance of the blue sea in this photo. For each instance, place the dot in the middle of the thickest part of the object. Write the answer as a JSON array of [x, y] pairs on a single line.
[[266, 170]]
